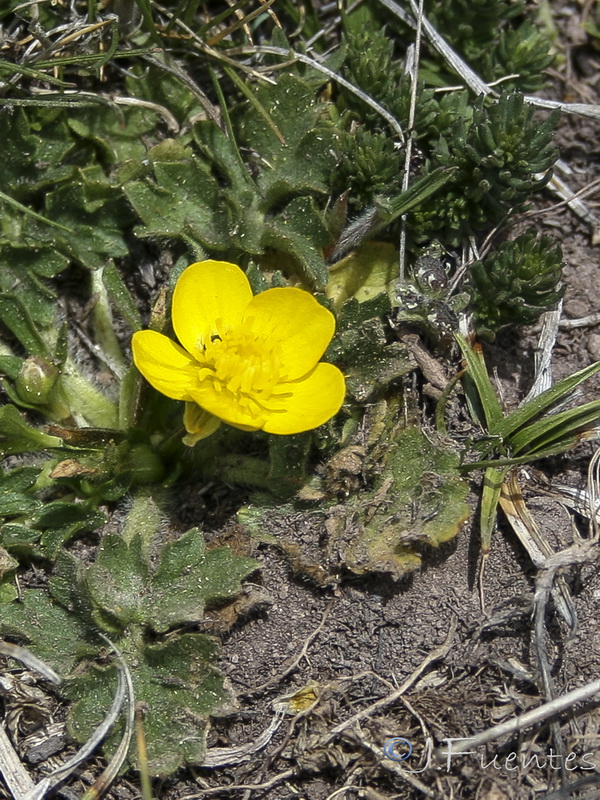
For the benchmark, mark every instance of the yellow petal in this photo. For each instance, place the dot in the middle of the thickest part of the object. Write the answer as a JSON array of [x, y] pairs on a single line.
[[210, 298], [309, 402], [164, 364], [225, 405], [198, 423], [294, 321]]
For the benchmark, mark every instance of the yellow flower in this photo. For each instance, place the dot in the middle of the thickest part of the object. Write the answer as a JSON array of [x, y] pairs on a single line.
[[249, 361]]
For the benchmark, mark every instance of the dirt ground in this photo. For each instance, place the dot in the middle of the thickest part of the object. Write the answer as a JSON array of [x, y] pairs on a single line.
[[368, 660]]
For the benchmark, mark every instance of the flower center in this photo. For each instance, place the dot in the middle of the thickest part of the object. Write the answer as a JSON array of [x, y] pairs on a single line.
[[245, 368]]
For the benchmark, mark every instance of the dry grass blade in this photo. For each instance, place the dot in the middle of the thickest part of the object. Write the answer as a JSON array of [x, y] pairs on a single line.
[[174, 69], [414, 76], [589, 321], [243, 22], [228, 756], [102, 783], [471, 79], [32, 662], [577, 206], [589, 110], [593, 490], [543, 353], [517, 724], [585, 502], [51, 781], [14, 774], [515, 509], [238, 787]]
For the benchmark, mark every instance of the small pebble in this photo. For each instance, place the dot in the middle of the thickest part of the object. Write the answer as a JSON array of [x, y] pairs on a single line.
[[576, 307], [593, 346]]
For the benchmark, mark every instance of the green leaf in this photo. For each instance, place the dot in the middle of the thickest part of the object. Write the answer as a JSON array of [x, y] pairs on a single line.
[[20, 539], [176, 591], [32, 162], [121, 296], [365, 274], [181, 199], [16, 503], [151, 83], [10, 365], [19, 479], [289, 131], [127, 592], [17, 317], [112, 134], [178, 686], [240, 193], [60, 522], [402, 495], [119, 578], [420, 190], [189, 576], [418, 498], [551, 431], [361, 349], [16, 436], [490, 496], [27, 303], [219, 148], [8, 591], [54, 635], [97, 215], [300, 233]]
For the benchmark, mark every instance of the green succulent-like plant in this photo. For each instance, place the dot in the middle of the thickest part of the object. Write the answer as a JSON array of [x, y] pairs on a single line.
[[487, 35], [471, 26], [523, 52], [371, 65], [501, 156], [516, 284], [370, 166]]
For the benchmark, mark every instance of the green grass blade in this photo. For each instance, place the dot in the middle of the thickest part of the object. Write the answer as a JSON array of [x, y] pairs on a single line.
[[226, 117], [28, 72], [220, 17], [93, 58], [486, 395], [490, 497], [146, 12], [549, 431], [550, 397], [420, 190], [15, 204], [254, 101], [184, 9], [526, 459]]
